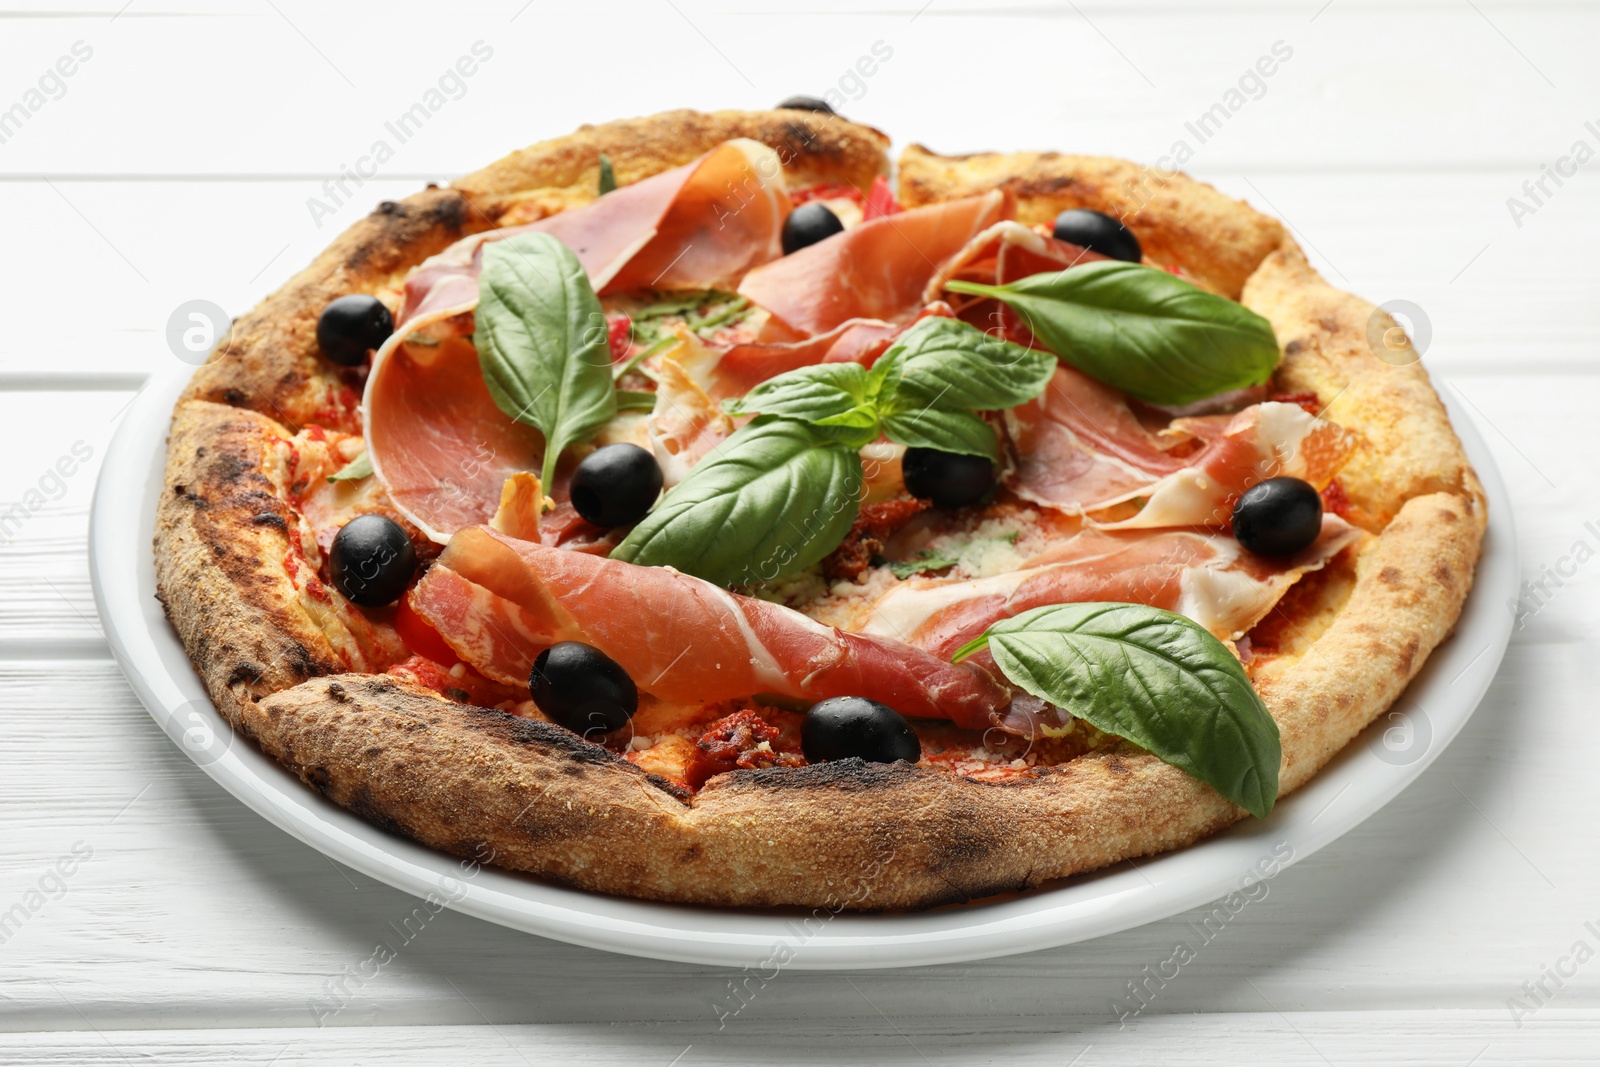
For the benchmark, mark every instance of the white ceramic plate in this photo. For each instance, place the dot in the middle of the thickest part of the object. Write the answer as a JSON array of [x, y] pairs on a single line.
[[1360, 781]]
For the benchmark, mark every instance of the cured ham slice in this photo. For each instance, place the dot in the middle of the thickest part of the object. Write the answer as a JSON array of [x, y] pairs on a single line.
[[1263, 441], [499, 602], [877, 270], [1081, 449], [697, 226], [1205, 576], [685, 424], [438, 441]]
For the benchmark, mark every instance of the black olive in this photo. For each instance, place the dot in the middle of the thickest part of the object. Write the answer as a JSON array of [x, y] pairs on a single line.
[[582, 688], [808, 224], [948, 479], [1278, 517], [842, 727], [615, 485], [806, 103], [352, 326], [1098, 233], [372, 560]]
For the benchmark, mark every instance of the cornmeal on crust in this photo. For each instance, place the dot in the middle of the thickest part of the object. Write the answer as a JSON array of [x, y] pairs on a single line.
[[279, 662]]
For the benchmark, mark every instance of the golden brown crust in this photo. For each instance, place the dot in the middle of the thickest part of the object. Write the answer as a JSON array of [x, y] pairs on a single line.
[[842, 834], [1181, 223]]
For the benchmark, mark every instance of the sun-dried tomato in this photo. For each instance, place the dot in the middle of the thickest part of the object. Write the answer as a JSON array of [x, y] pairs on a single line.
[[874, 525], [741, 741]]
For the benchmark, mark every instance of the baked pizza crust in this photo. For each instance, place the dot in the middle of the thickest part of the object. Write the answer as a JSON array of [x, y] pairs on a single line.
[[845, 834]]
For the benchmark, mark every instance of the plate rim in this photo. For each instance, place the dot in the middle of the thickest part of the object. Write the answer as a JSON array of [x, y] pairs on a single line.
[[1437, 704]]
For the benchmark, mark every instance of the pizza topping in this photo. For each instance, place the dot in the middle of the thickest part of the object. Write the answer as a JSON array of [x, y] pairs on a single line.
[[1004, 252], [692, 227], [1278, 517], [1206, 577], [854, 727], [1098, 232], [874, 525], [947, 479], [1154, 677], [497, 601], [372, 560], [876, 271], [579, 687], [615, 485], [741, 741], [1141, 330], [808, 224], [350, 327]]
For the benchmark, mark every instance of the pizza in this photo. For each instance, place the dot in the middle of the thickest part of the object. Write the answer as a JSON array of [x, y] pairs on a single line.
[[682, 509]]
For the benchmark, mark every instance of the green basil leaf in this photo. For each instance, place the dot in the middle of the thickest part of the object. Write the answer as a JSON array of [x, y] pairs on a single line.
[[826, 394], [1154, 677], [925, 562], [608, 177], [1141, 330], [360, 467], [952, 364], [635, 400], [542, 341], [948, 431], [771, 500]]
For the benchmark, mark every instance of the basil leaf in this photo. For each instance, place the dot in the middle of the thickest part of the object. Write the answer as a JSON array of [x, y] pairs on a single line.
[[826, 394], [608, 177], [947, 431], [1154, 677], [925, 562], [952, 364], [542, 341], [360, 467], [1141, 330], [635, 400], [771, 500]]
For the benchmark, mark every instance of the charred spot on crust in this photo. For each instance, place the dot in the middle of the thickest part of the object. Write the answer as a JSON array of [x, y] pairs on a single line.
[[1294, 347], [318, 778], [244, 674], [269, 518], [234, 397], [1391, 576], [337, 694], [361, 802], [850, 775]]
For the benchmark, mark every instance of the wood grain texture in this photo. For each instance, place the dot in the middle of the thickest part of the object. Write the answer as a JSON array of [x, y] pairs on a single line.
[[1389, 144]]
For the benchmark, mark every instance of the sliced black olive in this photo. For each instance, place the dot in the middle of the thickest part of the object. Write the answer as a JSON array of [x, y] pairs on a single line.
[[615, 485], [371, 561], [842, 727], [1278, 517], [808, 224], [1098, 233], [805, 103], [948, 479], [582, 688], [352, 326]]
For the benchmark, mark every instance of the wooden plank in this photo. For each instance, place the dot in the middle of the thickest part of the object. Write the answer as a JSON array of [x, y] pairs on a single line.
[[1291, 1038], [1441, 86]]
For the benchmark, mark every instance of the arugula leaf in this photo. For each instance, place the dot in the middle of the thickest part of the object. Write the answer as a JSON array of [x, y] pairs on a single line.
[[771, 500], [1141, 330], [542, 341], [360, 467], [608, 177], [1154, 677]]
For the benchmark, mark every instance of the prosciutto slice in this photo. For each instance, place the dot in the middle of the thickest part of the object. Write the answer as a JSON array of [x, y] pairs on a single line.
[[1205, 576], [1081, 449], [438, 441], [697, 226], [878, 270], [499, 602]]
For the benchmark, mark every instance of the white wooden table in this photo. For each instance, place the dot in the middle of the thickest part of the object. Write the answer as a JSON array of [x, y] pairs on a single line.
[[176, 162]]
